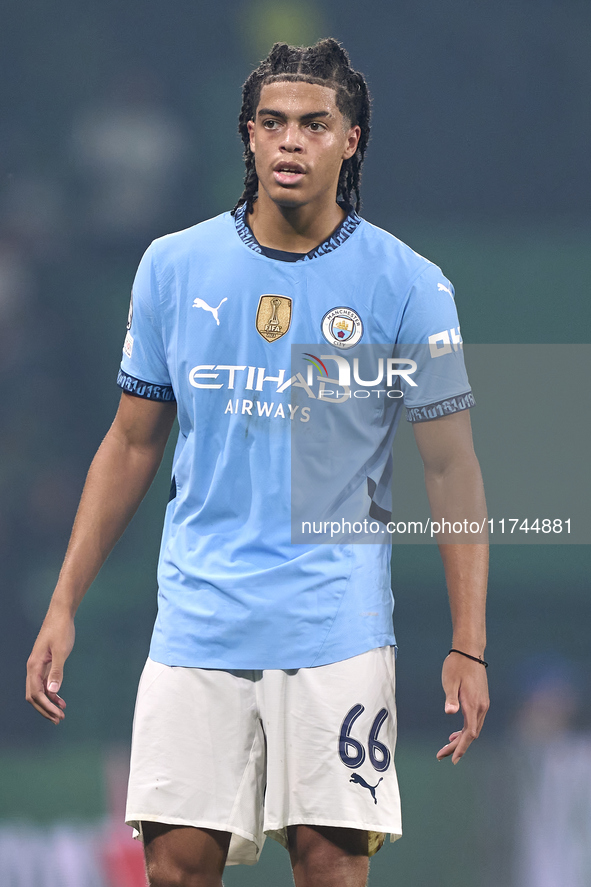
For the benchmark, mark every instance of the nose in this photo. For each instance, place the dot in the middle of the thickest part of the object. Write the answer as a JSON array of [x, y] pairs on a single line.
[[292, 141]]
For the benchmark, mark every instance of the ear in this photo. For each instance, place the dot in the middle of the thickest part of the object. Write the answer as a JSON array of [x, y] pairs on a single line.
[[353, 137], [250, 126]]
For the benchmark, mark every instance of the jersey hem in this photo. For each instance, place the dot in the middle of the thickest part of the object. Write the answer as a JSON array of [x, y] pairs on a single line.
[[387, 640]]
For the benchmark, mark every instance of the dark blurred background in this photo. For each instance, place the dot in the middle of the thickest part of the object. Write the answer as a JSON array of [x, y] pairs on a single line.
[[118, 125]]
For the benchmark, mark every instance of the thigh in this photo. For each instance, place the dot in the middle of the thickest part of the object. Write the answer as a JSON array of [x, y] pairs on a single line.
[[194, 857], [332, 857]]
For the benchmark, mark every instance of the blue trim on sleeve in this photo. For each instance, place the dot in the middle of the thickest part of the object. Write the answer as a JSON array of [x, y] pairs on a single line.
[[441, 408], [147, 390]]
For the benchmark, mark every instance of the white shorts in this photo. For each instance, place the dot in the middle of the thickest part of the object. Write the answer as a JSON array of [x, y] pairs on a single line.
[[251, 752]]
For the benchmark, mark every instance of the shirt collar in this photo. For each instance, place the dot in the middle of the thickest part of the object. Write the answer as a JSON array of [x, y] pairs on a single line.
[[336, 239]]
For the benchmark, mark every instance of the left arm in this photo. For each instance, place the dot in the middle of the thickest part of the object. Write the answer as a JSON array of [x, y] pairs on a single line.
[[456, 494]]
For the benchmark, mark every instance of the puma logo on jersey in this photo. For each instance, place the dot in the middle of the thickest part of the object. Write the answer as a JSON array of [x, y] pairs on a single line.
[[371, 788], [444, 289], [199, 303]]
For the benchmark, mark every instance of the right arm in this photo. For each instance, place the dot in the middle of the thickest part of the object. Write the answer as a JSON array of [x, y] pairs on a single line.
[[118, 478]]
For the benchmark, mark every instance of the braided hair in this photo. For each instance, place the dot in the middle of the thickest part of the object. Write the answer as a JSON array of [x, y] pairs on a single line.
[[326, 64]]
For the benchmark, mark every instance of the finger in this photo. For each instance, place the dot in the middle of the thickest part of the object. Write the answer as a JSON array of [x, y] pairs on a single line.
[[452, 702], [464, 743], [57, 700], [468, 734], [452, 706], [43, 705], [56, 674], [482, 713], [448, 749], [52, 684], [40, 701]]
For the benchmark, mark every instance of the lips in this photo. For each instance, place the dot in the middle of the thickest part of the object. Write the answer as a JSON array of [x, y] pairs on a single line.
[[288, 173]]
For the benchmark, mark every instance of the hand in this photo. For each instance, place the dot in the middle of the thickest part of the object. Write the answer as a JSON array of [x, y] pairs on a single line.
[[465, 684], [45, 668]]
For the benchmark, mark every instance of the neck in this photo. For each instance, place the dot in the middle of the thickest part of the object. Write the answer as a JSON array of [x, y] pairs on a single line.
[[293, 229]]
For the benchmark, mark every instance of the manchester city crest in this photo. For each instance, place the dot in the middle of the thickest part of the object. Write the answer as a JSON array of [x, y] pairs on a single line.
[[342, 327], [273, 316]]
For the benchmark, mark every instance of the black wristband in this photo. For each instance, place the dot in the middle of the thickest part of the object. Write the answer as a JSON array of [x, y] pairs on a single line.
[[467, 655]]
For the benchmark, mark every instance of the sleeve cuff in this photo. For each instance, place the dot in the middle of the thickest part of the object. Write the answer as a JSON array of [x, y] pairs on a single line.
[[147, 390], [441, 408]]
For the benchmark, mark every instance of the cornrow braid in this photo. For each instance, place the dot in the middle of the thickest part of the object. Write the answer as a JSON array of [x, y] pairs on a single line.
[[326, 64]]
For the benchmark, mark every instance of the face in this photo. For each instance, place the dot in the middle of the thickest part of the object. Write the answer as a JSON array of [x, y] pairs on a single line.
[[299, 139]]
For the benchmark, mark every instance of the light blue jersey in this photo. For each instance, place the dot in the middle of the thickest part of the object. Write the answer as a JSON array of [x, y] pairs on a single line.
[[212, 325]]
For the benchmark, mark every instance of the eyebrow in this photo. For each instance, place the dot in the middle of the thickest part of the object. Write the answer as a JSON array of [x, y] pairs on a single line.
[[270, 112]]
